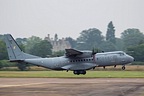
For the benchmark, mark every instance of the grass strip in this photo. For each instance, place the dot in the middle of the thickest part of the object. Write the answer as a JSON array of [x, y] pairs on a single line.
[[63, 74]]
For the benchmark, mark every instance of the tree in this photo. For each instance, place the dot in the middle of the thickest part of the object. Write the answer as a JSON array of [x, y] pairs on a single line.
[[137, 52], [132, 37], [71, 41], [89, 39], [21, 41], [1, 65], [42, 49], [1, 37], [119, 44], [110, 35], [58, 53], [30, 42], [107, 46], [3, 51]]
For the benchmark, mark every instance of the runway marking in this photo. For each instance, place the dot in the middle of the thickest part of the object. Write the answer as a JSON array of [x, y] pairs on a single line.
[[2, 86]]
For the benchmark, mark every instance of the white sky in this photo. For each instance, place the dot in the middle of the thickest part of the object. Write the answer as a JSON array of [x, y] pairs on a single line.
[[24, 18]]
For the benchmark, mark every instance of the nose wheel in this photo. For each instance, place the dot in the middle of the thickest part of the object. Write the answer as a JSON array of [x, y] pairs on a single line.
[[123, 67]]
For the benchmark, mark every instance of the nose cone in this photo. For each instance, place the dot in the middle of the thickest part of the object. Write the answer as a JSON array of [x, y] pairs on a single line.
[[130, 59]]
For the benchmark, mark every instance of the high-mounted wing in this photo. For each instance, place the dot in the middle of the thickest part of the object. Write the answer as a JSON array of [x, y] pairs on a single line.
[[72, 52]]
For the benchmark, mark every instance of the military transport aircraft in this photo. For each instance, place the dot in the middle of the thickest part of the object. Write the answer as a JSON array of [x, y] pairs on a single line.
[[74, 60]]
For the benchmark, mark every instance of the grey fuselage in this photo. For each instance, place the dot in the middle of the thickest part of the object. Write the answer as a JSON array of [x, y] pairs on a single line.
[[83, 63]]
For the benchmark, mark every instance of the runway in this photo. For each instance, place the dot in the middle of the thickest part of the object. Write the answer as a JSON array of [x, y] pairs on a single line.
[[71, 87]]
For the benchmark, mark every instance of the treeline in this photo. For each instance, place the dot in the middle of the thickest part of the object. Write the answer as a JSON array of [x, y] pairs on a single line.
[[131, 41]]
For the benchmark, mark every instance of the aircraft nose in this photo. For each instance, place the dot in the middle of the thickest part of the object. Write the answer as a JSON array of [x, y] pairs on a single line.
[[130, 59]]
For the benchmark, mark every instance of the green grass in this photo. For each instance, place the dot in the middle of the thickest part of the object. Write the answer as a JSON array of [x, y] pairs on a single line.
[[63, 74]]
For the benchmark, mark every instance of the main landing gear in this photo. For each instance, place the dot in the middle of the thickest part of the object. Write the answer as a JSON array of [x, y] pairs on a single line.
[[123, 67], [77, 72]]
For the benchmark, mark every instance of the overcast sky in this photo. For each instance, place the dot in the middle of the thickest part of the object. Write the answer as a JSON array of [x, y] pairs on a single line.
[[24, 18]]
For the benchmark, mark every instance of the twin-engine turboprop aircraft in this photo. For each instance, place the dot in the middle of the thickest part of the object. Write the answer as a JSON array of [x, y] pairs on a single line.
[[74, 60]]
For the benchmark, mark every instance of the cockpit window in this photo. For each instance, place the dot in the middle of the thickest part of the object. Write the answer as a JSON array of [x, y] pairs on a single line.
[[121, 54]]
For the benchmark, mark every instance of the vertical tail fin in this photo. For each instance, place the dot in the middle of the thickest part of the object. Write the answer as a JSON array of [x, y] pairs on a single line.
[[14, 51]]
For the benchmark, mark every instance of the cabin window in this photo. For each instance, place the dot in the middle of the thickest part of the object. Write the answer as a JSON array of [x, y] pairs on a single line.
[[81, 60]]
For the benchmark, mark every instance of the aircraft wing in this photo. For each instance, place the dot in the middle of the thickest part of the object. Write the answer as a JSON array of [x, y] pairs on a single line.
[[72, 52]]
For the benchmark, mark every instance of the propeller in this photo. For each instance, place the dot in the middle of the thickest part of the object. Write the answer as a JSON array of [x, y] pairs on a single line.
[[94, 51]]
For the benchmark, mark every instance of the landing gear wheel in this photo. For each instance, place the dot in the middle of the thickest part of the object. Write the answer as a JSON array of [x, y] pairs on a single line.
[[77, 72], [114, 66], [83, 72], [103, 67], [123, 67]]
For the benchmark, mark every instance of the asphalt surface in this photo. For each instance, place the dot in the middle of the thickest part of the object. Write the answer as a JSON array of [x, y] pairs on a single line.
[[71, 87]]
